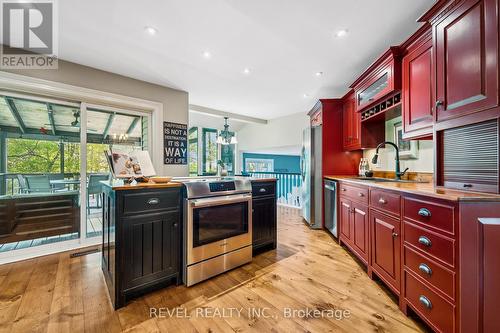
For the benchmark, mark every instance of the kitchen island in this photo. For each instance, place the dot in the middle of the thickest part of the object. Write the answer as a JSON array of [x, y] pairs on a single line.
[[142, 238], [143, 245]]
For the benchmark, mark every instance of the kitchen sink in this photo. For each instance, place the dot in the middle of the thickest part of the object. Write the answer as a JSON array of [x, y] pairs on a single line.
[[389, 180]]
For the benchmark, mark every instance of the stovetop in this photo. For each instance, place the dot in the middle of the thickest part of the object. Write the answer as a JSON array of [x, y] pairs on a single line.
[[200, 187]]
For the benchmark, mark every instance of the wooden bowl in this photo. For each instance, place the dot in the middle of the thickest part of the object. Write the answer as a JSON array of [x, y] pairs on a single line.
[[160, 180]]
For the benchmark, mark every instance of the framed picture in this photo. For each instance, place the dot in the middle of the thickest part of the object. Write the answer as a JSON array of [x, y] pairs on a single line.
[[408, 149]]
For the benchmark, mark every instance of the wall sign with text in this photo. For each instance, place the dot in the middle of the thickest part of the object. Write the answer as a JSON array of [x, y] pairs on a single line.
[[174, 143]]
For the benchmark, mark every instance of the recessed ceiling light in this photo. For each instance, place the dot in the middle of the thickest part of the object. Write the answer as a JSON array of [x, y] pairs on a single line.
[[246, 71], [151, 30], [207, 54], [341, 33], [306, 95], [318, 73]]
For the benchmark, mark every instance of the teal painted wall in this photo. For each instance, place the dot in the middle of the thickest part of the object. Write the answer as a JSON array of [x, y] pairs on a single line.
[[282, 163]]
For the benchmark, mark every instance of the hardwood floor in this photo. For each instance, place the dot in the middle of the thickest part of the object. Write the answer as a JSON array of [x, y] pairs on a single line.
[[308, 270]]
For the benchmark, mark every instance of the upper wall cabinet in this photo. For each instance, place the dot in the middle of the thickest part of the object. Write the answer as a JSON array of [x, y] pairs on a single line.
[[417, 88], [380, 79], [357, 135], [466, 45]]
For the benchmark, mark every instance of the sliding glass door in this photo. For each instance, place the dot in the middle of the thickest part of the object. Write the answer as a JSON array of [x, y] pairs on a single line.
[[52, 165], [39, 172]]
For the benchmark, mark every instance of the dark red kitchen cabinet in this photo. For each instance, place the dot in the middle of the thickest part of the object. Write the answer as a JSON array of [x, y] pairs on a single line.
[[379, 80], [356, 135], [345, 220], [354, 230], [351, 124], [386, 249], [360, 231], [417, 90], [466, 44]]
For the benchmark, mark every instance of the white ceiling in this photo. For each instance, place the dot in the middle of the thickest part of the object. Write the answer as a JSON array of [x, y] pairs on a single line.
[[208, 121], [283, 42]]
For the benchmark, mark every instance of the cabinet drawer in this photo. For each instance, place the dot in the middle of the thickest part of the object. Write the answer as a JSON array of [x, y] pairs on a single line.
[[441, 278], [430, 243], [439, 313], [386, 201], [359, 194], [435, 215], [263, 188], [147, 202]]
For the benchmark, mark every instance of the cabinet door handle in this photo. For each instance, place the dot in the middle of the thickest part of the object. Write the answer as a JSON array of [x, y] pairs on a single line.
[[360, 194], [382, 201], [394, 235], [425, 269], [153, 201], [425, 301], [175, 225], [343, 190], [262, 190], [424, 212], [439, 103], [424, 241]]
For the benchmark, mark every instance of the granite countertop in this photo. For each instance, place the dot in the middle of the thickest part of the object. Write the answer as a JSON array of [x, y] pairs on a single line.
[[426, 189], [119, 185]]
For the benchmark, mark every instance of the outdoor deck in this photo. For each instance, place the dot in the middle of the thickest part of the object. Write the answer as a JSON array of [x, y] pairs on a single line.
[[94, 229]]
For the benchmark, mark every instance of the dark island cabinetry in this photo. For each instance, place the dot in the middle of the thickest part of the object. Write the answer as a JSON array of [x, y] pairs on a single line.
[[263, 215], [142, 230]]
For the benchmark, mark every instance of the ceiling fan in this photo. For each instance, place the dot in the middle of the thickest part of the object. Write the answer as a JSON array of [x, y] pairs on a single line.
[[74, 123]]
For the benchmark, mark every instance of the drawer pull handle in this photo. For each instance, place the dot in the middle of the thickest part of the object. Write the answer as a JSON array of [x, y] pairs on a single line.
[[425, 269], [382, 201], [424, 212], [425, 301], [153, 201], [424, 241], [468, 185], [360, 194], [262, 190], [343, 190]]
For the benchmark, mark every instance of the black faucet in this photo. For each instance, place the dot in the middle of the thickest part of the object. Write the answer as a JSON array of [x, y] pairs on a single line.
[[398, 170]]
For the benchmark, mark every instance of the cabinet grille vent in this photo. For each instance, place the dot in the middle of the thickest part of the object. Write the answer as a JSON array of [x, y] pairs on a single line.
[[470, 157]]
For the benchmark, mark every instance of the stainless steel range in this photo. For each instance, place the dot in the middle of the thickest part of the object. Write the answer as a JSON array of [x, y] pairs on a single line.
[[218, 226]]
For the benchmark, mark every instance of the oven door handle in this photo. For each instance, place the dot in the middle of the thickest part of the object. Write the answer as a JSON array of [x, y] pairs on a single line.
[[218, 201]]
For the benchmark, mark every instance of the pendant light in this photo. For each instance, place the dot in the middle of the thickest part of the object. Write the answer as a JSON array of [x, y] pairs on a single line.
[[225, 137]]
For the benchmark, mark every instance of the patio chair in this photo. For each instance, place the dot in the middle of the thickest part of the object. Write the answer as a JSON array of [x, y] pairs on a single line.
[[57, 187], [23, 187], [38, 183], [95, 187]]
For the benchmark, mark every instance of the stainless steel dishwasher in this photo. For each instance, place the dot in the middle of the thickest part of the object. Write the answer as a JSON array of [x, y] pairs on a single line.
[[331, 207]]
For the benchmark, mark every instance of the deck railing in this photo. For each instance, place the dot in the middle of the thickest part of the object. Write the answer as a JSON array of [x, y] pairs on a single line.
[[288, 187], [9, 183]]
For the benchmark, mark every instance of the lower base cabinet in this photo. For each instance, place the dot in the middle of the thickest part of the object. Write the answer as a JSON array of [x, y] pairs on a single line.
[[386, 249], [354, 230], [264, 216], [142, 239]]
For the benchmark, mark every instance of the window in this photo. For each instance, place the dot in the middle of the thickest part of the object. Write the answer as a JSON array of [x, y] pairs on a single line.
[[210, 151], [259, 165], [193, 151]]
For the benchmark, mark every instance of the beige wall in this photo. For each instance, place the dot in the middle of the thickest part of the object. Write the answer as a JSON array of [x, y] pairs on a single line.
[[424, 162], [175, 102]]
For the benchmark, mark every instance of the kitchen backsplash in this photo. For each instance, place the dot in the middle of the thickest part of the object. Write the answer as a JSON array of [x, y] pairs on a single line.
[[424, 161]]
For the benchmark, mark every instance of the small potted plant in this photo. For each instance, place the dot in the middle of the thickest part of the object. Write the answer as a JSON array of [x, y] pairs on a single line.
[[223, 169]]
